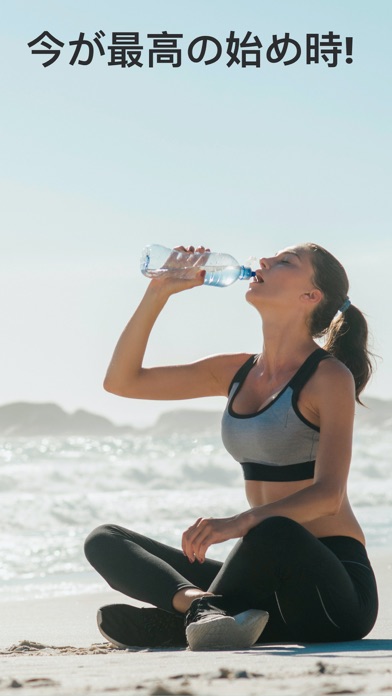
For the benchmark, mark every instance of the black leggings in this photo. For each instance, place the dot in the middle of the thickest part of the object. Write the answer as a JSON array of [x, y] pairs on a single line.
[[315, 590]]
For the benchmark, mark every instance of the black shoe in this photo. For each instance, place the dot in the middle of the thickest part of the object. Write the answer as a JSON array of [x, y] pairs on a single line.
[[210, 627], [126, 626]]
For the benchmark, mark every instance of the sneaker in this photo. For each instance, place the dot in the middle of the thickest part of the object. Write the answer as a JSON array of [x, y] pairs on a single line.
[[210, 627], [126, 626]]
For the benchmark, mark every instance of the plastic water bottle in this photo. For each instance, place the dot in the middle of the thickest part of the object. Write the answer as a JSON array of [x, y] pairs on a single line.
[[221, 269]]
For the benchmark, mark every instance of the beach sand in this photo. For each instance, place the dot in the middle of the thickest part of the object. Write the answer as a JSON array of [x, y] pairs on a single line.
[[53, 647]]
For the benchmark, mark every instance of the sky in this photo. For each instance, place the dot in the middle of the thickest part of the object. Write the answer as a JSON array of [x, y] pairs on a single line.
[[98, 161]]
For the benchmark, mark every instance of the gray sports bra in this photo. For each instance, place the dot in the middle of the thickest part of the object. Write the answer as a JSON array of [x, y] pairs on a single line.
[[276, 443]]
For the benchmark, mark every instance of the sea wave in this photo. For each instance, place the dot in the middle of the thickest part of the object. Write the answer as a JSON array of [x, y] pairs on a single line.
[[55, 490]]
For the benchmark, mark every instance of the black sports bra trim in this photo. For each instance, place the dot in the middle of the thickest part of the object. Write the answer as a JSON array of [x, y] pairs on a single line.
[[270, 472], [243, 371], [298, 380]]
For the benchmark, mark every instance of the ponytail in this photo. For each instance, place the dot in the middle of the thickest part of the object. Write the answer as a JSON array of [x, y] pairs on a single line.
[[344, 327], [346, 340]]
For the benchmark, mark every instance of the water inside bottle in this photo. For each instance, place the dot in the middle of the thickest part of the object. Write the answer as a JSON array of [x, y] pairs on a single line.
[[221, 276]]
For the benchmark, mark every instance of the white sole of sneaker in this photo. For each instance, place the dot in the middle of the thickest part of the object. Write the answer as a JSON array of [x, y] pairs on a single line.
[[227, 632], [105, 635]]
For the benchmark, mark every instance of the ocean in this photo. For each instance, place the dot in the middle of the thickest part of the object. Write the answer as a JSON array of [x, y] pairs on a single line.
[[55, 490]]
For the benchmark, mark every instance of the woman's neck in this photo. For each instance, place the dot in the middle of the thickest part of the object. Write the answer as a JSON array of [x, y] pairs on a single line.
[[285, 347]]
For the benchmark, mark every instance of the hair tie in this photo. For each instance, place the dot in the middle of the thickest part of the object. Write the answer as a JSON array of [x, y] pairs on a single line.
[[345, 305]]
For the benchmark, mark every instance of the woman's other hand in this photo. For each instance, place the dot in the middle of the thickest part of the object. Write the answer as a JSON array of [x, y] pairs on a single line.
[[207, 531]]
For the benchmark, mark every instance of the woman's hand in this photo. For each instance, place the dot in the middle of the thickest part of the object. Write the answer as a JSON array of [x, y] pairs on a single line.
[[208, 531], [193, 258]]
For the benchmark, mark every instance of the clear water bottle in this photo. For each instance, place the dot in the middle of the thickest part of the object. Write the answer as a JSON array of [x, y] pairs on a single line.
[[221, 269]]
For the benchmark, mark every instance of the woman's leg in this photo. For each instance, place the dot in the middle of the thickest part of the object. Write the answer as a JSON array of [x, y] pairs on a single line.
[[145, 569], [310, 594]]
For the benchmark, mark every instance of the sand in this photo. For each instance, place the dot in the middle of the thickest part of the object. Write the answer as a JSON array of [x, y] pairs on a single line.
[[52, 647]]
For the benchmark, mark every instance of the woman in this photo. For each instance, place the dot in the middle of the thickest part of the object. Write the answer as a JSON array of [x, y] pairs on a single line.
[[299, 571]]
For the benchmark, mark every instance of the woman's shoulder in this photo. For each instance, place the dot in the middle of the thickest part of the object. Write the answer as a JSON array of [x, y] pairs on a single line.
[[330, 393], [332, 379], [334, 368], [232, 361], [226, 365]]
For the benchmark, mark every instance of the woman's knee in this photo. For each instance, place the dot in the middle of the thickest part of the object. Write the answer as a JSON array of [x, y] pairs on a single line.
[[99, 540], [274, 530]]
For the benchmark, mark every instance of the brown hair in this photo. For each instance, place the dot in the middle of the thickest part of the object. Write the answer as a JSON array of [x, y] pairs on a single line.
[[346, 333]]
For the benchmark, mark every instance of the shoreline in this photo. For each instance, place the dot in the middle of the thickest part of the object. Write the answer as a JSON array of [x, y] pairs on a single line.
[[54, 645]]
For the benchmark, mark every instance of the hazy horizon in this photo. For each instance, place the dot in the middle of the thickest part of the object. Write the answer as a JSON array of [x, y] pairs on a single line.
[[43, 419]]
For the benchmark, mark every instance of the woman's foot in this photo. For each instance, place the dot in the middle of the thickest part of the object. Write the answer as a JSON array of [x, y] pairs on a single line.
[[210, 627], [126, 626]]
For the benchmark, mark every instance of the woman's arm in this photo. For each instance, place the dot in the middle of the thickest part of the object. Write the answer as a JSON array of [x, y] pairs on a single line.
[[127, 377], [334, 399]]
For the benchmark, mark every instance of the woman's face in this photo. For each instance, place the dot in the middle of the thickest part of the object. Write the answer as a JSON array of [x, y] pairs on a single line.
[[285, 280]]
